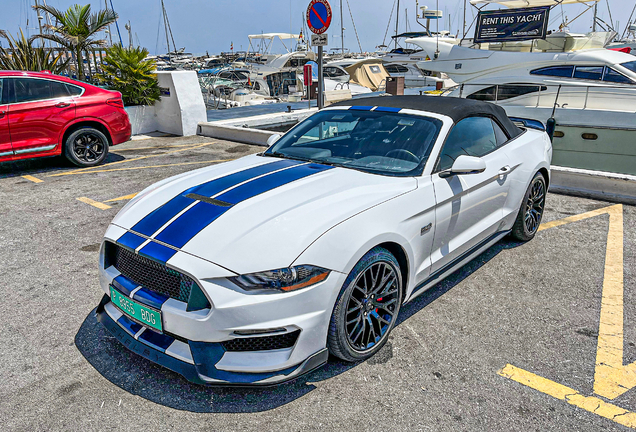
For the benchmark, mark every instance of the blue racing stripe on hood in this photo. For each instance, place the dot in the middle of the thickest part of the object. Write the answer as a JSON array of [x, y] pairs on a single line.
[[157, 252], [159, 217], [189, 224], [130, 240], [193, 221], [272, 181]]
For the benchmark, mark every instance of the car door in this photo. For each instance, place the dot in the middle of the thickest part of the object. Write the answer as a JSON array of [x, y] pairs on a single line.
[[6, 152], [469, 207], [39, 111]]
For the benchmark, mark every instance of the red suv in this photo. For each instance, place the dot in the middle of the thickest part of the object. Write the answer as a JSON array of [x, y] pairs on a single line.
[[43, 115]]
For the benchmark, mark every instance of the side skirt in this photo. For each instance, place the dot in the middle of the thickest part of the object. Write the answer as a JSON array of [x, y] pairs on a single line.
[[457, 263]]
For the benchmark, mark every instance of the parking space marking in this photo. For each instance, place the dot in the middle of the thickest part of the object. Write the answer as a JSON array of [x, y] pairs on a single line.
[[559, 391], [33, 179], [611, 377], [123, 198], [97, 204], [93, 169], [118, 150], [155, 166]]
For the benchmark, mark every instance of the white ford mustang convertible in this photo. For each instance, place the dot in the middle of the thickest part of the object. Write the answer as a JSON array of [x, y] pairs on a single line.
[[251, 272]]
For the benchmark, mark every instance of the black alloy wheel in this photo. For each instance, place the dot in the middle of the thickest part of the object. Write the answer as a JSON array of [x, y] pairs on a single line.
[[367, 308], [372, 305], [531, 211], [86, 147]]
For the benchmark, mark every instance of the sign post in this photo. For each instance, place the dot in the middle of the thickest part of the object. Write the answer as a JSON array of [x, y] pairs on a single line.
[[318, 20]]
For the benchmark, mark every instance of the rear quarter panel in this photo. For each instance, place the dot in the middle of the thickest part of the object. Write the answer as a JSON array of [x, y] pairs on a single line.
[[528, 153]]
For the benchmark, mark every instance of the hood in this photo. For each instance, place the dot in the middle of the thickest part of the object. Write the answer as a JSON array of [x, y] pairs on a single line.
[[256, 213]]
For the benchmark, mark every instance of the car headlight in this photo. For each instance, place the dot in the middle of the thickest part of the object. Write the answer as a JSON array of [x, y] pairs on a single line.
[[287, 279]]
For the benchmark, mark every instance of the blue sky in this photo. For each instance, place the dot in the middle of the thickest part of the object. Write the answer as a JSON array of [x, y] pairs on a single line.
[[200, 25]]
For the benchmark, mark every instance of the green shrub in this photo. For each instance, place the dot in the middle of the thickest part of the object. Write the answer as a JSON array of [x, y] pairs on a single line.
[[127, 71]]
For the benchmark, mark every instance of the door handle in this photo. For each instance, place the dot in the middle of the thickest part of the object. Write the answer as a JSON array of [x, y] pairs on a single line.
[[504, 170], [62, 105], [2, 113]]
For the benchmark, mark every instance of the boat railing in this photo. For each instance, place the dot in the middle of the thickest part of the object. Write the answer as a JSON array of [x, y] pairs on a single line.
[[597, 96]]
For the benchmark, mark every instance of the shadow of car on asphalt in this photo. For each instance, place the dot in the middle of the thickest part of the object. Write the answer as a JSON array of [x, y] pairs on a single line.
[[141, 377], [45, 165]]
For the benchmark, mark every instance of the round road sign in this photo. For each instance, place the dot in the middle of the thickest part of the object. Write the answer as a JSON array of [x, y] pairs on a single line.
[[319, 16]]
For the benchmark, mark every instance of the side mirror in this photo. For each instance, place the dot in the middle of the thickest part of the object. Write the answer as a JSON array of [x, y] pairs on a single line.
[[465, 165], [273, 138]]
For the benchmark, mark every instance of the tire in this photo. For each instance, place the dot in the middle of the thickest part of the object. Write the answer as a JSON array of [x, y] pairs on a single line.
[[86, 147], [375, 314], [531, 211]]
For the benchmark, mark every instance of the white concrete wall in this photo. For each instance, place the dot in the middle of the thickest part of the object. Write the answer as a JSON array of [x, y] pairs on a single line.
[[178, 113], [143, 119]]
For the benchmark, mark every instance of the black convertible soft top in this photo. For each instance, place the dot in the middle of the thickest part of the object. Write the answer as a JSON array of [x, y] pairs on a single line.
[[455, 108]]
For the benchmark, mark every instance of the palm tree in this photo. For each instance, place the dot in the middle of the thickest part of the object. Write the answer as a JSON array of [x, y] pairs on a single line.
[[22, 55], [76, 29]]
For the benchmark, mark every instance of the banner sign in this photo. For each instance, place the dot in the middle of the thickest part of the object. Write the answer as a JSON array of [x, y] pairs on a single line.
[[512, 25]]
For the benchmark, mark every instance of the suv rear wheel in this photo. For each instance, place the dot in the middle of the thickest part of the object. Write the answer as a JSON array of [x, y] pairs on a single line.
[[86, 147]]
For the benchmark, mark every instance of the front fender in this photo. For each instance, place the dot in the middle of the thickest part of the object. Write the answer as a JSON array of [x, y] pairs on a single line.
[[398, 221]]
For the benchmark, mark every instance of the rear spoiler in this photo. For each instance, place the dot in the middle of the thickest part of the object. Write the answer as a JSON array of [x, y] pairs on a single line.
[[528, 123]]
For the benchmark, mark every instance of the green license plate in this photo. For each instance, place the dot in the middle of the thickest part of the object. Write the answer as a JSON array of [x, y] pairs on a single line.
[[144, 315]]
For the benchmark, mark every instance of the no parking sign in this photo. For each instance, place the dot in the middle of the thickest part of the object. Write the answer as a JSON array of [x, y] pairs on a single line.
[[319, 16]]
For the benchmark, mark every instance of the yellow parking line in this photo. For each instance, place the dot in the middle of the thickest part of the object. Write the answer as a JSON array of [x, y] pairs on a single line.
[[90, 169], [561, 392], [97, 204], [33, 179], [123, 198], [611, 377], [117, 150], [153, 166], [577, 217]]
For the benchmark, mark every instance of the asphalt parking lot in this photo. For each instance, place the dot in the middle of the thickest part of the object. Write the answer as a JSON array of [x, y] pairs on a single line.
[[534, 337]]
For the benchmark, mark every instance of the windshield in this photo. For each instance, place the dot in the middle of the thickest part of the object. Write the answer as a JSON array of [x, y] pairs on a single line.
[[379, 142], [630, 65]]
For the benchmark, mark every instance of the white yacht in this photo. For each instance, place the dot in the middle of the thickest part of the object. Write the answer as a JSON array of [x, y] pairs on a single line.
[[591, 94], [403, 62]]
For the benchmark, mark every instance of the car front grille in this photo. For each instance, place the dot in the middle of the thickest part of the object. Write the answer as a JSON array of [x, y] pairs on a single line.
[[263, 343], [150, 274]]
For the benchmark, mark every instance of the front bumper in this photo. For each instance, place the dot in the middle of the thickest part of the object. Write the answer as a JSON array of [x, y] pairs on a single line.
[[196, 361]]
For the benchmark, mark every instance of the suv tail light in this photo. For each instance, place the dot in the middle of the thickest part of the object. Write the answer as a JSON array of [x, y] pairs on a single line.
[[116, 102]]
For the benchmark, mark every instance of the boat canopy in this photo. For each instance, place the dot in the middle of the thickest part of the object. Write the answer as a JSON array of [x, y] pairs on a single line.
[[514, 4], [368, 73]]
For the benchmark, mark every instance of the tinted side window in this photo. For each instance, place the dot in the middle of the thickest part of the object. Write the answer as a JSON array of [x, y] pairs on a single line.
[[500, 135], [59, 89], [2, 96], [558, 71], [509, 91], [487, 94], [612, 76], [589, 72], [28, 89], [473, 136], [73, 90]]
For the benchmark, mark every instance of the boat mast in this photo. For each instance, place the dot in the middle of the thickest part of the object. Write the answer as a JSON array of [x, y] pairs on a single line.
[[397, 22], [341, 30], [39, 17], [594, 20], [110, 35], [464, 26]]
